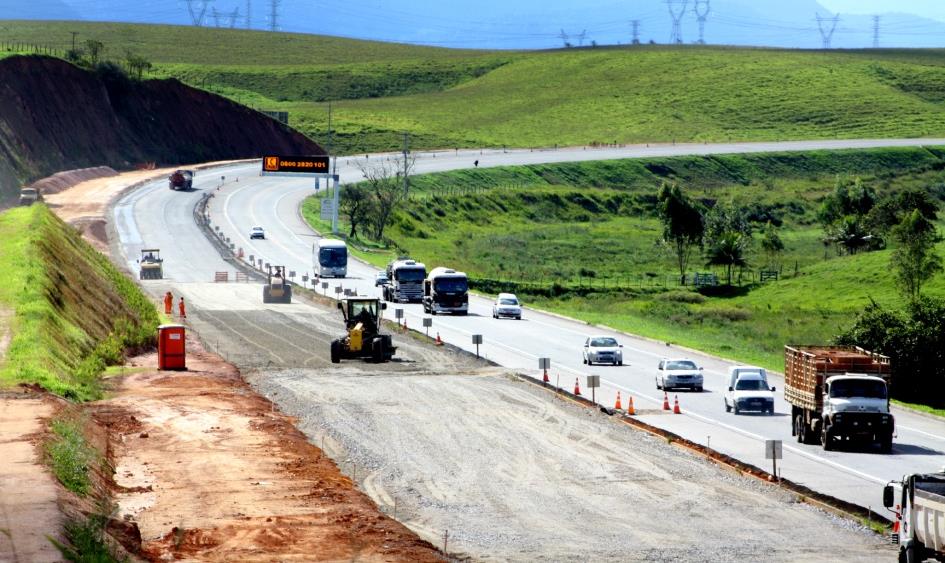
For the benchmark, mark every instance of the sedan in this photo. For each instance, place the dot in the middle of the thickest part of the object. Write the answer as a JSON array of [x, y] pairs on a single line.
[[507, 305], [672, 374], [603, 350], [257, 232]]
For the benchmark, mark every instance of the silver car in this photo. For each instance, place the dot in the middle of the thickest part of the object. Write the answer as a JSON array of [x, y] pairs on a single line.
[[603, 350], [673, 374]]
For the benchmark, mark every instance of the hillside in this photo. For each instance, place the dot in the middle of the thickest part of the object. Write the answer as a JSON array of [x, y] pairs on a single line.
[[582, 239], [460, 98], [104, 118], [71, 311]]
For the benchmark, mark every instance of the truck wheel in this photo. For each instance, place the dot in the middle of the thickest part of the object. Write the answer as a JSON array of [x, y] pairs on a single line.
[[826, 440], [335, 351], [886, 445], [800, 429], [728, 408], [735, 408], [377, 350]]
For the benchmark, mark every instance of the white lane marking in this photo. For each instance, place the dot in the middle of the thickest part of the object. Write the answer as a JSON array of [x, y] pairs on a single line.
[[737, 430], [917, 431]]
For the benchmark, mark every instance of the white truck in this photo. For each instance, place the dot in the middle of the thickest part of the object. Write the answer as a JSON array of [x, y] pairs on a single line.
[[446, 291], [405, 281], [839, 395], [330, 258], [919, 528]]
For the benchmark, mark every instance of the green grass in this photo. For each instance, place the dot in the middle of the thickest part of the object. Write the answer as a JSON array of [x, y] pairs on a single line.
[[581, 239], [70, 456], [73, 311], [466, 98], [923, 408]]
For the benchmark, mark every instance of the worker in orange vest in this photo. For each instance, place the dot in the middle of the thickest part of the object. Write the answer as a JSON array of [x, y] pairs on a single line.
[[168, 302], [183, 310]]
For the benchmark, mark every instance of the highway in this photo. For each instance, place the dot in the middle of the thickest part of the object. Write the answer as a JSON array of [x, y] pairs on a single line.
[[158, 217]]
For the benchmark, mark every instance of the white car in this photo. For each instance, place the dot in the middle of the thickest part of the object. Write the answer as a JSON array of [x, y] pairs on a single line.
[[257, 232], [673, 374], [750, 393], [507, 305], [603, 350]]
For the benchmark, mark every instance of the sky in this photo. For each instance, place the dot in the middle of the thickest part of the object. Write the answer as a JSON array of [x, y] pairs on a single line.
[[537, 24], [934, 9]]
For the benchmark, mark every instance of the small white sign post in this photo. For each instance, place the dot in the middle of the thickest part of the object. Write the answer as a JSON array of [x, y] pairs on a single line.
[[477, 340], [773, 452], [593, 382]]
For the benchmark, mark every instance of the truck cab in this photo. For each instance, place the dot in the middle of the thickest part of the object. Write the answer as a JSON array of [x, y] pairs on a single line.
[[856, 408], [446, 291], [29, 196], [405, 281], [919, 526]]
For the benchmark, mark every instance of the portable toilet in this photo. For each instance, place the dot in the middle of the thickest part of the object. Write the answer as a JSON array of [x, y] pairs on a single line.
[[171, 353]]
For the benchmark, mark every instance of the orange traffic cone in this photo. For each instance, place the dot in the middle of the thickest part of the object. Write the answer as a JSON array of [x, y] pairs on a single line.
[[545, 378], [577, 387], [439, 341], [630, 410], [676, 405], [665, 401], [618, 406]]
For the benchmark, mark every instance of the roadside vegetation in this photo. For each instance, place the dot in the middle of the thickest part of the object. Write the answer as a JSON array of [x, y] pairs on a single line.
[[73, 312], [447, 98], [588, 240]]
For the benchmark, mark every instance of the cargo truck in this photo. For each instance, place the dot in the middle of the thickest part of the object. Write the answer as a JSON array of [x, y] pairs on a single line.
[[181, 180], [839, 395], [919, 528], [405, 281], [446, 291]]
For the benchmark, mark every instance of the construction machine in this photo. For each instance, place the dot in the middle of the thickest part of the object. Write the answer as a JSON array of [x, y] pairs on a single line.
[[277, 289], [151, 265], [363, 339]]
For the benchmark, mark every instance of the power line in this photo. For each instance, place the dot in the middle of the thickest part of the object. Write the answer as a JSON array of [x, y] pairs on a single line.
[[249, 13], [701, 16], [676, 35], [827, 34]]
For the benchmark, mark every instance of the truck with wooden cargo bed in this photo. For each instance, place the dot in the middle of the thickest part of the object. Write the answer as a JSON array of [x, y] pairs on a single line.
[[839, 395]]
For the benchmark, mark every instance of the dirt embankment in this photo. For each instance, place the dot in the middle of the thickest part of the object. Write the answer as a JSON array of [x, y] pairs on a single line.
[[55, 116]]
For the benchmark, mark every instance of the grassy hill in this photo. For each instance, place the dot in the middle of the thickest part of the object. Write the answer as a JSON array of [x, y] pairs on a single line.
[[581, 239], [448, 98], [71, 311]]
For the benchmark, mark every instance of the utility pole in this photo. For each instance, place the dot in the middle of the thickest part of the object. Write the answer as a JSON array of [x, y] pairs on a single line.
[[233, 17], [216, 17], [74, 33], [197, 15], [249, 7], [406, 151], [581, 37], [636, 31], [701, 16], [329, 136], [876, 32], [827, 34], [677, 8], [274, 14], [564, 38]]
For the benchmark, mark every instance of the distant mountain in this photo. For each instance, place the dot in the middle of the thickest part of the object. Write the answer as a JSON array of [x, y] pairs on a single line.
[[522, 24]]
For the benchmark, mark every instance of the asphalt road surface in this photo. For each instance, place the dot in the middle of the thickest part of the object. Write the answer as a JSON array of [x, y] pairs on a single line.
[[155, 216]]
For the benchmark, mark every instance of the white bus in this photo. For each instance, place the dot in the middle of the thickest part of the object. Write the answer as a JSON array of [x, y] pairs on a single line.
[[330, 258]]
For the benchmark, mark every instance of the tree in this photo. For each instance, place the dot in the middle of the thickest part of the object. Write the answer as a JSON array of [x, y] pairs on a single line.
[[384, 180], [772, 245], [843, 215], [94, 49], [890, 210], [682, 224], [355, 204], [915, 260], [137, 65], [728, 249]]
